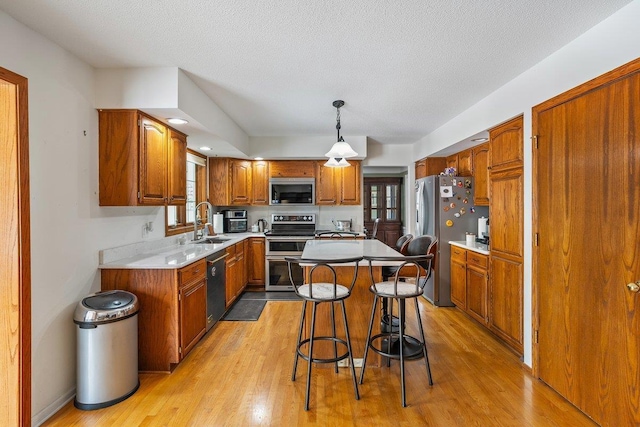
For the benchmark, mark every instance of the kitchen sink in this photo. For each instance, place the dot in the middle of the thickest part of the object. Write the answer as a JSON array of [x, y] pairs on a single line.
[[211, 240]]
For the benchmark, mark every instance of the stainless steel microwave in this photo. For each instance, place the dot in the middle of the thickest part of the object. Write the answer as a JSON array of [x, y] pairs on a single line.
[[292, 191]]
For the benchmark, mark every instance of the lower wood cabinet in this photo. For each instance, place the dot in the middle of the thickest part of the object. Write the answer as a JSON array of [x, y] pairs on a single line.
[[469, 283], [256, 261], [236, 273], [173, 312]]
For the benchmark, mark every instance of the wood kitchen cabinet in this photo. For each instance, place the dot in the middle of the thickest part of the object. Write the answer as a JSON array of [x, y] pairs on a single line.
[[452, 161], [292, 169], [338, 186], [236, 273], [230, 182], [469, 282], [136, 160], [481, 159], [465, 163], [506, 211], [260, 183], [256, 261], [173, 312], [430, 166]]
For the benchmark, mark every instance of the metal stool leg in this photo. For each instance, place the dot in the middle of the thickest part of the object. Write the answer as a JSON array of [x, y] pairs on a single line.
[[313, 330], [353, 369], [401, 315], [366, 343], [424, 342], [390, 340], [333, 328], [295, 361]]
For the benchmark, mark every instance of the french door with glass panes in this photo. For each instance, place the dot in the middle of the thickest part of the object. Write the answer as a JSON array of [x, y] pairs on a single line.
[[382, 199]]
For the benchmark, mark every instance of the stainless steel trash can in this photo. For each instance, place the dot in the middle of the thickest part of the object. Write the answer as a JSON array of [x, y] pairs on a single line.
[[107, 349]]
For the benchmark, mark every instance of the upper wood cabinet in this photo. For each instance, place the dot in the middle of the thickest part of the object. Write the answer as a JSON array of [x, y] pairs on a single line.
[[465, 163], [229, 182], [506, 145], [136, 155], [291, 169], [481, 159], [260, 183], [452, 161], [338, 186], [177, 168], [430, 166]]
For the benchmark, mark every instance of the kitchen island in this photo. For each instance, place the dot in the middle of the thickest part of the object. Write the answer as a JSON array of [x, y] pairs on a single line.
[[358, 305]]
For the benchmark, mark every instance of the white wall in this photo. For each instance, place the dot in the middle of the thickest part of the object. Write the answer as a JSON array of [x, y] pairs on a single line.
[[301, 147], [613, 42], [67, 226]]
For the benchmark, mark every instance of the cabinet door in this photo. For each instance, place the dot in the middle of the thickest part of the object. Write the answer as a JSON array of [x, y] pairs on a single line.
[[459, 284], [477, 283], [350, 188], [326, 184], [506, 144], [435, 165], [153, 162], [260, 182], [231, 281], [177, 167], [481, 160], [241, 265], [256, 261], [240, 171], [193, 315], [219, 182], [506, 289], [452, 161], [292, 169], [421, 168], [507, 212], [465, 163]]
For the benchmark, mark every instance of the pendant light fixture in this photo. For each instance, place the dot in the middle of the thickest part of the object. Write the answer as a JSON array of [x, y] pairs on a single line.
[[341, 150]]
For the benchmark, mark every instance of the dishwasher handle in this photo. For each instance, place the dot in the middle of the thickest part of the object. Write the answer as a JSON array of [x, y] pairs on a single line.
[[217, 259]]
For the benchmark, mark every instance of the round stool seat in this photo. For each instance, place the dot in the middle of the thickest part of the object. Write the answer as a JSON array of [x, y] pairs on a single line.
[[387, 289], [323, 291]]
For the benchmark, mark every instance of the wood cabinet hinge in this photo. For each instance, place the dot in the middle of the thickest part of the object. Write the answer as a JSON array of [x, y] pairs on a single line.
[[534, 138], [535, 337], [139, 122], [138, 195], [179, 297], [179, 350], [535, 239]]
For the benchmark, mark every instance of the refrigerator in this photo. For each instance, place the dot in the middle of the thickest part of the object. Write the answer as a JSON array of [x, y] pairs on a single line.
[[445, 210]]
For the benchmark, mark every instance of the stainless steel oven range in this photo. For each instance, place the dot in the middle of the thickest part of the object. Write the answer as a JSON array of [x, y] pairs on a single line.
[[287, 237]]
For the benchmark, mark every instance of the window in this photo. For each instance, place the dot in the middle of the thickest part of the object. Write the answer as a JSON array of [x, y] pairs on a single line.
[[179, 219], [382, 199]]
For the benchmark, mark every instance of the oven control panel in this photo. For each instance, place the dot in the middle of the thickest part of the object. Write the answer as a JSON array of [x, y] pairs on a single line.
[[293, 219]]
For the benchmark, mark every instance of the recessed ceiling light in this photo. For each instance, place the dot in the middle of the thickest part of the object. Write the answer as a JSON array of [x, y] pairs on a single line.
[[205, 148], [177, 121], [479, 139], [258, 158]]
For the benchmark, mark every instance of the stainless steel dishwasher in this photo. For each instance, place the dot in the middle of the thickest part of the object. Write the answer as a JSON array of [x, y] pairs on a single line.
[[216, 283]]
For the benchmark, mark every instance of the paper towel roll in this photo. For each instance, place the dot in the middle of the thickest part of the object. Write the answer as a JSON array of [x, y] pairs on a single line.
[[482, 226], [217, 223]]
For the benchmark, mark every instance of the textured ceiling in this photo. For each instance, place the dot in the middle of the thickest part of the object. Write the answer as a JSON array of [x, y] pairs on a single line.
[[403, 67]]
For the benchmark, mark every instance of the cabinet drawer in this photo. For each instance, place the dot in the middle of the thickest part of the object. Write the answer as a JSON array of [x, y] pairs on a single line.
[[458, 254], [479, 260], [193, 272]]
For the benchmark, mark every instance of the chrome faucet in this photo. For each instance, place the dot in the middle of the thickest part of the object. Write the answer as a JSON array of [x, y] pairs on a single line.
[[195, 221]]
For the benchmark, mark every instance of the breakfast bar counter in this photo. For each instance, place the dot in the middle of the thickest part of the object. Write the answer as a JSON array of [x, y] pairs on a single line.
[[358, 305]]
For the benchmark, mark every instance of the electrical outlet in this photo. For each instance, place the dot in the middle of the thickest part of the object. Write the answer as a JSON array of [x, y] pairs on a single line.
[[344, 363], [357, 363]]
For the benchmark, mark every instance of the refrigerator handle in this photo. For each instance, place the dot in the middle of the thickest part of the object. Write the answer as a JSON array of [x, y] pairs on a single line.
[[420, 211]]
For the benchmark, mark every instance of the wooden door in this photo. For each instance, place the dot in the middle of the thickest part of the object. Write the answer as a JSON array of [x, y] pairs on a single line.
[[465, 163], [193, 315], [260, 182], [15, 247], [382, 200], [477, 293], [256, 261], [587, 171], [350, 188], [452, 161], [153, 162], [459, 284], [177, 167], [240, 171], [481, 174], [326, 184]]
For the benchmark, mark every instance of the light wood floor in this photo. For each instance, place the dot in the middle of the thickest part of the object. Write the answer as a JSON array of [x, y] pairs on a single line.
[[239, 375]]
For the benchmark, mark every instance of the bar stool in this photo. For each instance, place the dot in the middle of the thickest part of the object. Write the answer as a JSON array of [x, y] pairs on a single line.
[[317, 293], [394, 344]]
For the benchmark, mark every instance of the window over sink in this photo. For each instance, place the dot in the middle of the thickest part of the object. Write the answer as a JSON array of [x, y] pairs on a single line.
[[179, 219]]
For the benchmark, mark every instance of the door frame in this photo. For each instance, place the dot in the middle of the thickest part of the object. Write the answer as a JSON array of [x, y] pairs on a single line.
[[21, 288], [593, 84]]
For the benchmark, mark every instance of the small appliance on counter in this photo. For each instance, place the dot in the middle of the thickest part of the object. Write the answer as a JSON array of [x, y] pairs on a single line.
[[235, 221], [483, 230]]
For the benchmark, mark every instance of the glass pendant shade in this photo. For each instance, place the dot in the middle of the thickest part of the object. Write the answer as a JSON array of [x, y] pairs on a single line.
[[341, 150], [335, 163]]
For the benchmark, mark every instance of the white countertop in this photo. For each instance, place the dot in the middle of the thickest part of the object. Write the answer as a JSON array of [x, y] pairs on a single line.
[[177, 256], [327, 249], [476, 247]]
